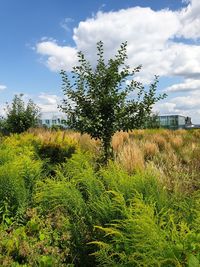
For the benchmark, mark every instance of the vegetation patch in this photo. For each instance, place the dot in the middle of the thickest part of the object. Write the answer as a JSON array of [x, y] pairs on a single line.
[[141, 209]]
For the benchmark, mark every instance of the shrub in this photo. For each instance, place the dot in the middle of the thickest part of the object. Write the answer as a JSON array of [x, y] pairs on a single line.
[[105, 216], [12, 187], [72, 191], [42, 241], [57, 150], [147, 238], [19, 171]]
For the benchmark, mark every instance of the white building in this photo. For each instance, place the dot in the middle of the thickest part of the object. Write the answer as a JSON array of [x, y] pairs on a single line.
[[50, 120]]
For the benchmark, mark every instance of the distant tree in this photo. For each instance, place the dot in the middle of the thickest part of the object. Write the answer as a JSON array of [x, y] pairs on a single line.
[[153, 122], [19, 116], [2, 125], [99, 101]]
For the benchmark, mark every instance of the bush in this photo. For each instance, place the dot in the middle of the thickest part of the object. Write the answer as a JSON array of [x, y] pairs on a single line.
[[57, 150], [147, 238], [42, 241], [89, 215], [19, 171]]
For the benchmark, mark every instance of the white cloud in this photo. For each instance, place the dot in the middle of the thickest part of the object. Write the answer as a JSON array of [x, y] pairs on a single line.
[[165, 108], [146, 39], [49, 98], [2, 87], [154, 40], [188, 105], [186, 86], [150, 41], [48, 103], [190, 20], [58, 57]]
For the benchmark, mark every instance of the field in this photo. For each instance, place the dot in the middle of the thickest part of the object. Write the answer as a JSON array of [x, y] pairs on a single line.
[[60, 207]]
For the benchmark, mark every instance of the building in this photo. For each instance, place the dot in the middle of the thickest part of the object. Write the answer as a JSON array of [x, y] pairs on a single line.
[[174, 121], [53, 120], [165, 121]]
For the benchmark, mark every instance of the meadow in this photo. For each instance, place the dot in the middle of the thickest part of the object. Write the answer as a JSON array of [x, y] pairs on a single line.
[[60, 207]]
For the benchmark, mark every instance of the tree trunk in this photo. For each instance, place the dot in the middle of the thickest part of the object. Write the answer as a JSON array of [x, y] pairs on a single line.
[[107, 150]]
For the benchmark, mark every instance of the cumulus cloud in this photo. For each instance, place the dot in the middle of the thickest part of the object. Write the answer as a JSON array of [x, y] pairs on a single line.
[[156, 39], [146, 39], [187, 105], [190, 20], [2, 87], [186, 86], [59, 57], [150, 41], [48, 103]]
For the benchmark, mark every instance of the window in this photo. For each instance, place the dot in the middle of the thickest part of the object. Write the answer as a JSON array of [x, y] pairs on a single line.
[[47, 121], [181, 120], [173, 121], [164, 121], [54, 121]]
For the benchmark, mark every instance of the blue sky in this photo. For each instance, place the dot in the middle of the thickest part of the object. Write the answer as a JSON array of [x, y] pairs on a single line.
[[40, 37]]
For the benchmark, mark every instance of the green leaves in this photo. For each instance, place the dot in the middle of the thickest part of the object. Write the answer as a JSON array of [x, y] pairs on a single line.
[[193, 261], [21, 117], [98, 101]]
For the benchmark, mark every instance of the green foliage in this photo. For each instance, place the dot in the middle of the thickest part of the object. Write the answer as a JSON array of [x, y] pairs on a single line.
[[135, 218], [147, 238], [71, 191], [21, 117], [58, 150], [3, 130], [105, 216], [146, 183], [19, 170], [152, 122], [99, 101], [42, 241]]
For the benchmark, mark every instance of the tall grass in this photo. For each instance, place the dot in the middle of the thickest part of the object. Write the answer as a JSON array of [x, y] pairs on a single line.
[[19, 170], [142, 209]]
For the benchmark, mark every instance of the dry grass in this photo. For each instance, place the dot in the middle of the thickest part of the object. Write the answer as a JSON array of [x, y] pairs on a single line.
[[160, 141], [176, 141], [85, 142], [137, 134], [174, 154], [131, 157], [150, 150], [118, 140]]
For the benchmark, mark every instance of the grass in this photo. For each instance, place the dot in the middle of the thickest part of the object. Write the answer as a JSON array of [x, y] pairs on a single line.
[[59, 208]]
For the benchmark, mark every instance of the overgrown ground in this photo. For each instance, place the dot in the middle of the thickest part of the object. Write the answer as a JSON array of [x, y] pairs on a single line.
[[58, 207]]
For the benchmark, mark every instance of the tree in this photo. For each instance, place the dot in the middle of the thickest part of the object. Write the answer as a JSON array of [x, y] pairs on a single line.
[[19, 116], [153, 122], [2, 125], [99, 101]]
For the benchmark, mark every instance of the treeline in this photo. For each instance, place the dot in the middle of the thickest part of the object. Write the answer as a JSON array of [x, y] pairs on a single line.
[[19, 116]]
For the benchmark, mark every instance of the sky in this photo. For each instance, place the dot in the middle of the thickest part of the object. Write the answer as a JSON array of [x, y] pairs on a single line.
[[38, 38]]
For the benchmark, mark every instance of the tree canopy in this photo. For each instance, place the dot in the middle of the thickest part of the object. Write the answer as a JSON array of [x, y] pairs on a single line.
[[20, 116], [99, 101]]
